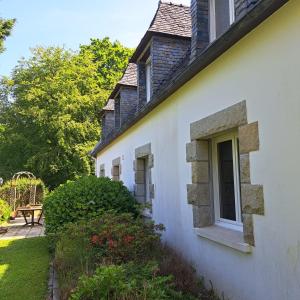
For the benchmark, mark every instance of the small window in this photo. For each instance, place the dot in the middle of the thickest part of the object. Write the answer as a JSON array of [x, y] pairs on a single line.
[[221, 17], [116, 173], [102, 171], [226, 181], [148, 79]]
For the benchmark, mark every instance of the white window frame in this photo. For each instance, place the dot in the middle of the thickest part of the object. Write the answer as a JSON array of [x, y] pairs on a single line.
[[212, 17], [236, 225], [148, 79]]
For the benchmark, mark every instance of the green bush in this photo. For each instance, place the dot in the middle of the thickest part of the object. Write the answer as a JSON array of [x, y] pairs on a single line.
[[110, 239], [5, 211], [84, 199], [126, 282], [23, 187]]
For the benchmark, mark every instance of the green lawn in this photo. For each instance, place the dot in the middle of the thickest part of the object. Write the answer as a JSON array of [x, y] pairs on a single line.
[[24, 268]]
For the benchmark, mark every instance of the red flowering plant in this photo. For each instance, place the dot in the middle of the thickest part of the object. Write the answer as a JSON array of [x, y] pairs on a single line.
[[121, 238], [111, 238]]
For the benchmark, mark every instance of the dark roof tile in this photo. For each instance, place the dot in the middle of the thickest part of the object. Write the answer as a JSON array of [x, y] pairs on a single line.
[[110, 105], [172, 19], [130, 75]]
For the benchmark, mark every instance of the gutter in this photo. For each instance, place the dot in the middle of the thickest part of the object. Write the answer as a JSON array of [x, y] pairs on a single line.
[[258, 13]]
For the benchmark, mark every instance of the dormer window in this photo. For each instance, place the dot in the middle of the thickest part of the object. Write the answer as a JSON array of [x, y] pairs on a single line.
[[148, 79], [221, 17]]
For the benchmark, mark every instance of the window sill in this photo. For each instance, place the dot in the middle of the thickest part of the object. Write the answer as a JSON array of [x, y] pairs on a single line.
[[224, 236]]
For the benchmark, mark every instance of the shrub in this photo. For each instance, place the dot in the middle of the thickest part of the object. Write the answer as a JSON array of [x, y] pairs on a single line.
[[126, 282], [110, 239], [184, 276], [84, 199], [23, 187], [5, 211]]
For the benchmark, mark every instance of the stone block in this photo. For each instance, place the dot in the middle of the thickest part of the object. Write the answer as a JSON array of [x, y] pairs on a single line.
[[229, 118], [143, 151], [151, 191], [202, 216], [198, 194], [150, 161], [245, 168], [252, 199], [248, 138], [116, 161], [197, 151], [200, 172], [248, 229]]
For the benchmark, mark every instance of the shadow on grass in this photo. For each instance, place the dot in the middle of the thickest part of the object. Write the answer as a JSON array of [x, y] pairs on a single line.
[[24, 267]]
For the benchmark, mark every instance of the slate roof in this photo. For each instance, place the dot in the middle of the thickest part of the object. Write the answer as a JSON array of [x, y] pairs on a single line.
[[174, 19], [110, 105], [130, 75], [255, 16], [170, 20]]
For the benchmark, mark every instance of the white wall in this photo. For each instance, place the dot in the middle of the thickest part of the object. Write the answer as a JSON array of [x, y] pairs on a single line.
[[264, 69]]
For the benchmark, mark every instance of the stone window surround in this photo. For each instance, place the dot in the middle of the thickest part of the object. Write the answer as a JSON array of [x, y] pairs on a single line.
[[143, 152], [102, 170], [116, 169], [199, 193]]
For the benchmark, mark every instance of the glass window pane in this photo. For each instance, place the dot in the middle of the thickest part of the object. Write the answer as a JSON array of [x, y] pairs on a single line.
[[148, 81], [222, 15], [226, 181]]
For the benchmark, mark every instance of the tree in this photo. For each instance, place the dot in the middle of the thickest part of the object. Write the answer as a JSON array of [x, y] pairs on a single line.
[[111, 60], [52, 124], [5, 30]]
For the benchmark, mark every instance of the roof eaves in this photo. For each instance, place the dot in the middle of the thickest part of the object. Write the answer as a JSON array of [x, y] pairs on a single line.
[[258, 13]]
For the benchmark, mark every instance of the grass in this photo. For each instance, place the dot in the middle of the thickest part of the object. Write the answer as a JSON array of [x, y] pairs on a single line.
[[24, 268]]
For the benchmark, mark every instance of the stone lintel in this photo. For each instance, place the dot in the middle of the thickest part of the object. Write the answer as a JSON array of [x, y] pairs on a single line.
[[229, 118], [116, 161], [143, 151]]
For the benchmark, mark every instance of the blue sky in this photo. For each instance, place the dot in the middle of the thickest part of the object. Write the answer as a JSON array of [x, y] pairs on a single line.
[[70, 23]]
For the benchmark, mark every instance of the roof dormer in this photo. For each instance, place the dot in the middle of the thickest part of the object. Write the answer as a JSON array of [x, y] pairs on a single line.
[[163, 47], [125, 95]]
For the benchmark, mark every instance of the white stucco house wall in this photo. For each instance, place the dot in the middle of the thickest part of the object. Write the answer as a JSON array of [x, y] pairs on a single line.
[[220, 144]]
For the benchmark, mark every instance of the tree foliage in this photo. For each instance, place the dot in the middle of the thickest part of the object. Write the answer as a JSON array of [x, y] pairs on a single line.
[[49, 110], [5, 30]]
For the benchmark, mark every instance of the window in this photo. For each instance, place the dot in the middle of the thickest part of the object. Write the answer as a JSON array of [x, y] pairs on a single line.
[[226, 182], [221, 17], [148, 79], [102, 171], [116, 173]]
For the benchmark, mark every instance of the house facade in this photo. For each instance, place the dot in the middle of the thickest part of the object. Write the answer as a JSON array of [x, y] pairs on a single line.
[[211, 140]]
